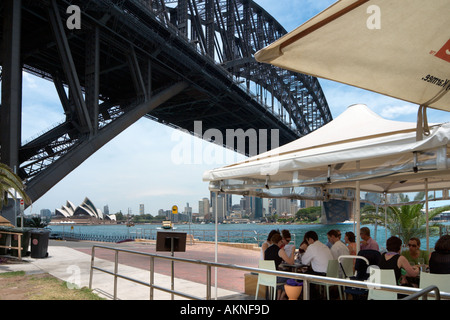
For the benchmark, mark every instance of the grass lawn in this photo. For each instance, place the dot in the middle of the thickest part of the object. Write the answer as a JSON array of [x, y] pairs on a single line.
[[43, 286]]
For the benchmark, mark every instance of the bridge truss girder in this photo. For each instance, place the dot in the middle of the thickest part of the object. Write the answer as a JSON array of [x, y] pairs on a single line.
[[231, 32], [139, 58]]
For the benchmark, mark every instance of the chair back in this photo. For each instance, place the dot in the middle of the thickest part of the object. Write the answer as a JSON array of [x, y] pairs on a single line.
[[442, 281], [346, 264], [333, 269], [267, 279], [372, 258], [379, 276]]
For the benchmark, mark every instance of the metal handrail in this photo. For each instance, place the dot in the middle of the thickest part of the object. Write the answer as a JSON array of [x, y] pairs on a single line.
[[306, 278], [240, 236], [424, 293]]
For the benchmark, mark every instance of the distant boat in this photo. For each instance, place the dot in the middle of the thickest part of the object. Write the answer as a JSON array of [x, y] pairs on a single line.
[[167, 225], [346, 222]]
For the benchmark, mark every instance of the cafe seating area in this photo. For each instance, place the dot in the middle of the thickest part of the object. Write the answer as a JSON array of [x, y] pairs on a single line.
[[364, 271]]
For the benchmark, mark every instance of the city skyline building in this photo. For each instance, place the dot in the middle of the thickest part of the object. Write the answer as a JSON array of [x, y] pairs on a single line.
[[188, 211], [45, 213]]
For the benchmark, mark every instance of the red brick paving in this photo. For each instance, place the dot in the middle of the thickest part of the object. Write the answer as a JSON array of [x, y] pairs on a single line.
[[227, 278]]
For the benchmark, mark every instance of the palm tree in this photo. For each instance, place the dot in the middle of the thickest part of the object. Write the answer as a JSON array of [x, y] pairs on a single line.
[[35, 222], [404, 222], [10, 184]]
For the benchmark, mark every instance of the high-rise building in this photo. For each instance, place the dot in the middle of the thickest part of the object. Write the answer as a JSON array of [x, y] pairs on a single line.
[[245, 205], [46, 213], [221, 207], [203, 208], [257, 207], [228, 204], [201, 211], [188, 212], [224, 205], [141, 209]]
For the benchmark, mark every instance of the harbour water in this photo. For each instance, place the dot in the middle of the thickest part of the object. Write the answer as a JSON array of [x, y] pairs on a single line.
[[248, 233]]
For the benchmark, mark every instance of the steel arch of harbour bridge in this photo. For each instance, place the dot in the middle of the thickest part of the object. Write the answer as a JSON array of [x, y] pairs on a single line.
[[113, 62]]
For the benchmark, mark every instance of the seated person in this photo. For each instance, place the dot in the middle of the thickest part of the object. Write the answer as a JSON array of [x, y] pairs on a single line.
[[393, 260], [351, 242], [338, 248], [288, 247], [440, 258], [368, 242], [277, 254], [414, 254], [267, 243], [274, 252], [301, 251], [317, 254]]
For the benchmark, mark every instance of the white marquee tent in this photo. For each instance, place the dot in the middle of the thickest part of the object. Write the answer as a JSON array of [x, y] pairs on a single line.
[[358, 150], [358, 145], [397, 48]]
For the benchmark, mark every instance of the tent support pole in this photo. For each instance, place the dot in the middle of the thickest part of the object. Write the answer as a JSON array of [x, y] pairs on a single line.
[[385, 215], [358, 212], [426, 214], [216, 194]]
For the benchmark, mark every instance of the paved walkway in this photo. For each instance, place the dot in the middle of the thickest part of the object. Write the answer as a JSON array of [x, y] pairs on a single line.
[[70, 261]]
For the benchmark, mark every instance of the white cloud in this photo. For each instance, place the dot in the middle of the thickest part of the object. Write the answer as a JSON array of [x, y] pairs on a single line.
[[29, 81], [395, 112]]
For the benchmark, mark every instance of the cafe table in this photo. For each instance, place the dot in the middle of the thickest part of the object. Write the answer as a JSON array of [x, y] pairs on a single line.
[[296, 267]]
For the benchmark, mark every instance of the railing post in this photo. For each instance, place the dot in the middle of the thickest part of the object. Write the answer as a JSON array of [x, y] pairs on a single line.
[[305, 289], [19, 252], [152, 276], [208, 282], [116, 267], [92, 267]]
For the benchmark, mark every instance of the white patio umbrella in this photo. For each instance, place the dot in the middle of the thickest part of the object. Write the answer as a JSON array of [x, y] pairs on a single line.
[[397, 48]]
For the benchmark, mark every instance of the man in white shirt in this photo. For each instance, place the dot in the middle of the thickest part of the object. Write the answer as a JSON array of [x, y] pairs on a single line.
[[317, 254], [338, 248]]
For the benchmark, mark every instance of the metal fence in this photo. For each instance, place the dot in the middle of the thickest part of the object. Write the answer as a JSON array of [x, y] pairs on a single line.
[[306, 278], [239, 236]]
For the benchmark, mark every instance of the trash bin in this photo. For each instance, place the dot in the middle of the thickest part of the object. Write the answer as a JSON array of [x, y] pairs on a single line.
[[4, 240], [25, 241], [39, 243]]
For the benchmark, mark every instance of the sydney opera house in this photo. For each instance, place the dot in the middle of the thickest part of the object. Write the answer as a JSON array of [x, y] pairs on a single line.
[[85, 213]]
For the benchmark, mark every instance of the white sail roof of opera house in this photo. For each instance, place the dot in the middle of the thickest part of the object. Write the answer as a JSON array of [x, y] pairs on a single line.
[[86, 208]]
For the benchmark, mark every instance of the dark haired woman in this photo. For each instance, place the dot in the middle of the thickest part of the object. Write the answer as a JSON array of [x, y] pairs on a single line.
[[350, 241], [277, 254], [267, 243], [393, 260], [440, 258]]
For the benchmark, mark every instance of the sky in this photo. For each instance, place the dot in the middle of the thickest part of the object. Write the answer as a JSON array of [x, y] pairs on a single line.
[[141, 165]]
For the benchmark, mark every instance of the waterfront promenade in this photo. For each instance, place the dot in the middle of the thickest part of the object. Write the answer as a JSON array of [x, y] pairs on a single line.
[[70, 261]]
